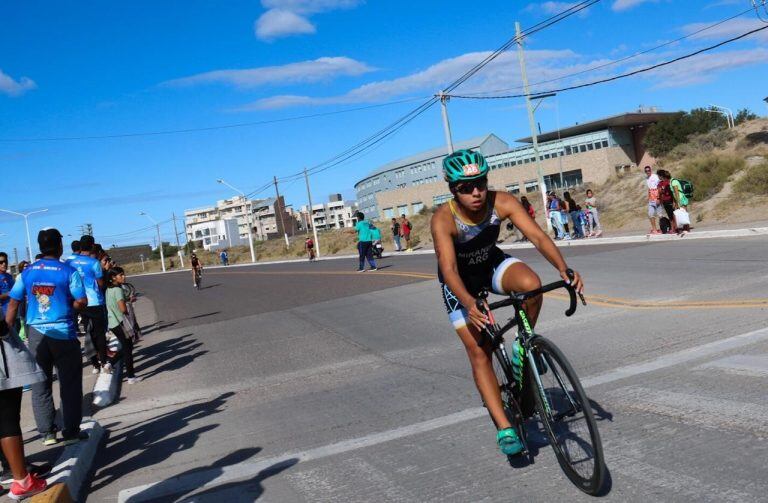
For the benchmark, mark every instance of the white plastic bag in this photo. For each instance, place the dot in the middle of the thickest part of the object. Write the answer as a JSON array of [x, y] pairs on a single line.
[[682, 217]]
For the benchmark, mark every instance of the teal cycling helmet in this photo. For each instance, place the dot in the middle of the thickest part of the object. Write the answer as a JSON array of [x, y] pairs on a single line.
[[464, 165]]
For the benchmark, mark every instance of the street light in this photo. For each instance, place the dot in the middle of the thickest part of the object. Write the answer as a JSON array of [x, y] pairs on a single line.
[[159, 239], [725, 111], [247, 216], [26, 224]]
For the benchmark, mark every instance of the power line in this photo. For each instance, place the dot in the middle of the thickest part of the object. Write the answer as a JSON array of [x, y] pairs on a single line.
[[616, 61], [621, 76], [209, 128]]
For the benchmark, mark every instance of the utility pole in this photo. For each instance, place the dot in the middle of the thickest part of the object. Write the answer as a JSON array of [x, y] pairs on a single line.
[[159, 239], [178, 245], [446, 124], [16, 257], [277, 207], [531, 120], [311, 218]]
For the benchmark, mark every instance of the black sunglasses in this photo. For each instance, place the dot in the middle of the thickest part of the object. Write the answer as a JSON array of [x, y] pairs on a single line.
[[470, 186], [3, 261]]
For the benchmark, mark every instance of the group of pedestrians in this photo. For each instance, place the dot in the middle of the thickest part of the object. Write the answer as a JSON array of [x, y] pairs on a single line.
[[584, 220], [671, 196], [401, 231], [42, 303]]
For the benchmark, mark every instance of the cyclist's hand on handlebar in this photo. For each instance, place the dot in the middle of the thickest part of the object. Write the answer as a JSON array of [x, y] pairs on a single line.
[[477, 317], [576, 282]]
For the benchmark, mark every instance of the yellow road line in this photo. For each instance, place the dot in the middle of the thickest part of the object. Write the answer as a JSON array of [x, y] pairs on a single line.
[[597, 300]]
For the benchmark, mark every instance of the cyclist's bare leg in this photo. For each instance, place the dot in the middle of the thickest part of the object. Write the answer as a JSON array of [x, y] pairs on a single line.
[[520, 278], [482, 371]]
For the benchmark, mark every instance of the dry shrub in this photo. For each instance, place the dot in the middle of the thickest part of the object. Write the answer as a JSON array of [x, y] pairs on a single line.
[[754, 181], [698, 144], [709, 174]]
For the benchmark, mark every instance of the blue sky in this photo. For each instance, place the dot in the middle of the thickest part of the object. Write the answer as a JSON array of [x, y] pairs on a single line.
[[93, 68]]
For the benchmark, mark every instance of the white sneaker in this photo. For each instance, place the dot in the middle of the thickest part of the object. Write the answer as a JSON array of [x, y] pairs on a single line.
[[133, 380], [107, 368]]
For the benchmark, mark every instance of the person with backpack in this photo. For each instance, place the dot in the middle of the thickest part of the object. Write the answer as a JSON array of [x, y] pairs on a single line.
[[396, 234], [682, 191], [405, 231], [667, 200]]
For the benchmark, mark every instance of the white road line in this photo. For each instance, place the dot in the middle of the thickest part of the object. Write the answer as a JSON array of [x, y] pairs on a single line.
[[749, 365], [698, 410], [217, 476], [671, 359]]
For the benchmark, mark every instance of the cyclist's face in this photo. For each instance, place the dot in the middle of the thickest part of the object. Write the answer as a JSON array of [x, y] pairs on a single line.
[[472, 194]]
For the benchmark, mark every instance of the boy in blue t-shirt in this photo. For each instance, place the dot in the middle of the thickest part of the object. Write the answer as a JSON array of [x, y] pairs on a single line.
[[53, 291], [6, 282]]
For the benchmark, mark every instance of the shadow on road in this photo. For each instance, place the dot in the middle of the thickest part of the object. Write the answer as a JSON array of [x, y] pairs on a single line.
[[146, 443], [161, 352]]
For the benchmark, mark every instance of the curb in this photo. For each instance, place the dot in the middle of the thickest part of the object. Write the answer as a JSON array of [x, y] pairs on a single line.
[[645, 238], [70, 472], [105, 389]]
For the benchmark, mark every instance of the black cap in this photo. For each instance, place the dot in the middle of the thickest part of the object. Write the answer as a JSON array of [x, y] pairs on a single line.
[[49, 239]]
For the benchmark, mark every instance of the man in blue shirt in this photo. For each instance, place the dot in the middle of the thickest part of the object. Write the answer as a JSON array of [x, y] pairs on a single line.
[[92, 274], [6, 282], [364, 243], [75, 250], [53, 291]]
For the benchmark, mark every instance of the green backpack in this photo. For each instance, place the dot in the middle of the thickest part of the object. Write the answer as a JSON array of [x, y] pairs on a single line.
[[686, 187]]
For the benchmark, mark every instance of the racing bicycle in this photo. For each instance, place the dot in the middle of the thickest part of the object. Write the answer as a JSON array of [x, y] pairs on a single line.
[[548, 388], [198, 277]]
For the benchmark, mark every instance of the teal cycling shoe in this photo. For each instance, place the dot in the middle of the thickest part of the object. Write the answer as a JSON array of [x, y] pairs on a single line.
[[509, 442]]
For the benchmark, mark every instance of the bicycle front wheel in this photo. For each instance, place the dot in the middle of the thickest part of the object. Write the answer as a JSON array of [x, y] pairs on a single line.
[[566, 414]]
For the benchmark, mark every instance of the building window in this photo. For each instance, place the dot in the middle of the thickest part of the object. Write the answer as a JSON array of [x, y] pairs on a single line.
[[389, 213], [605, 143], [598, 145], [417, 207], [402, 209], [531, 186], [590, 146], [513, 188], [438, 200], [570, 179], [582, 148]]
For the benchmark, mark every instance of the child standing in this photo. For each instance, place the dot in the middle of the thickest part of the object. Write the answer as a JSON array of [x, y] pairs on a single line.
[[116, 311]]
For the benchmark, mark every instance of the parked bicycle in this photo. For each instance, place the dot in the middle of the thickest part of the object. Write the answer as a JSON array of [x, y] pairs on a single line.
[[548, 380]]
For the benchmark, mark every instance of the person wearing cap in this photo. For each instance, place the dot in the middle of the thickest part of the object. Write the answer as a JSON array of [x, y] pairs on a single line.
[[92, 274], [53, 290]]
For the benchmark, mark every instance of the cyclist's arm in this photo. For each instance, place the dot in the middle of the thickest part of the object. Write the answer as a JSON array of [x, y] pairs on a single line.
[[509, 207], [442, 236]]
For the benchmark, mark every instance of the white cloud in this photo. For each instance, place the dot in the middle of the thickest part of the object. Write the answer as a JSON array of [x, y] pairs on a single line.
[[729, 29], [12, 87], [705, 67], [278, 23], [620, 5], [318, 70], [284, 18], [552, 8]]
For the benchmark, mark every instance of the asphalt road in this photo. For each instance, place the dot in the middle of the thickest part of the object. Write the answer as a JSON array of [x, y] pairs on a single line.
[[311, 382]]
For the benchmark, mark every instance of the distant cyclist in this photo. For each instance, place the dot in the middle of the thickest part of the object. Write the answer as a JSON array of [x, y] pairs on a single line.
[[309, 246], [464, 232], [197, 268]]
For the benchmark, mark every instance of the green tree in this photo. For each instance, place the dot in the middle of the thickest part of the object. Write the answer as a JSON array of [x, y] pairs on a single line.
[[673, 130], [744, 115]]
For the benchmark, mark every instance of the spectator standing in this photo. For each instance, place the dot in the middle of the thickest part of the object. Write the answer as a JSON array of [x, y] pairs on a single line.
[[75, 245], [590, 202], [681, 200], [17, 369], [6, 282], [92, 275], [667, 198], [396, 234], [555, 217], [574, 210], [224, 257], [309, 246], [654, 206], [405, 231], [53, 290], [364, 243], [116, 311]]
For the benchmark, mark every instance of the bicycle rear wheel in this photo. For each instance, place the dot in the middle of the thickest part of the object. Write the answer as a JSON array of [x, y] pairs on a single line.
[[567, 418]]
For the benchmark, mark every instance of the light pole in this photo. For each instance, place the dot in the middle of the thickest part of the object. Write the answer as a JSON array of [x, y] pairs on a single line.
[[26, 224], [727, 112], [247, 217], [159, 239]]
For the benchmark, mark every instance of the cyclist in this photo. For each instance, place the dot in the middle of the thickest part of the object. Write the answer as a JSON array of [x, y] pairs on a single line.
[[197, 268], [464, 232]]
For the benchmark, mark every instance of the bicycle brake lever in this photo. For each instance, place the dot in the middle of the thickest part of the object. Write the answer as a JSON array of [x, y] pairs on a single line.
[[583, 300]]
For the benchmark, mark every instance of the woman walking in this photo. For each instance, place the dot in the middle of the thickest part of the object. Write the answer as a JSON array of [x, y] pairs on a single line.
[[591, 203], [574, 210], [116, 311]]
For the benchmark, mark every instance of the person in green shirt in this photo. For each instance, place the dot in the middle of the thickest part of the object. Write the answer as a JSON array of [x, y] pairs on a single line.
[[364, 243], [116, 310], [681, 200]]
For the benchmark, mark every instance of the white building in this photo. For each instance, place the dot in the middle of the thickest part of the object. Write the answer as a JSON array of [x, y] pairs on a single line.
[[264, 219], [216, 234], [335, 214]]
